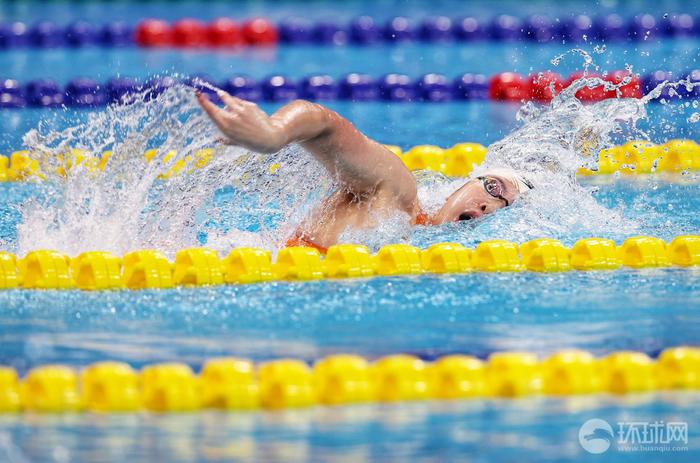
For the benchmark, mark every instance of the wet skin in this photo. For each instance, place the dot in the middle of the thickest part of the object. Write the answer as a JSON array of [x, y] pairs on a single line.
[[373, 181]]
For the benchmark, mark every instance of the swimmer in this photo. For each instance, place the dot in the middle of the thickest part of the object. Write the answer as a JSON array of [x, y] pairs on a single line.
[[372, 180]]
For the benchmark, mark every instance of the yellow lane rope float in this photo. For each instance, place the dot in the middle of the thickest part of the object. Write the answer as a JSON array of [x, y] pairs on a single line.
[[239, 384], [634, 157], [98, 270]]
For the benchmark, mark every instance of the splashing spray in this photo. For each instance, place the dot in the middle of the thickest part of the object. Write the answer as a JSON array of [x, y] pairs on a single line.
[[195, 191]]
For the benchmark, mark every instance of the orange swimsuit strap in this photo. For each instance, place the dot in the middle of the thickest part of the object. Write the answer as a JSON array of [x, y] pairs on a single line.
[[300, 240], [422, 218]]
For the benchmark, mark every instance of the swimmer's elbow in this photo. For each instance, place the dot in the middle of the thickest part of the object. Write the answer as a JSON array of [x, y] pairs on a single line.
[[311, 120], [300, 121], [307, 108]]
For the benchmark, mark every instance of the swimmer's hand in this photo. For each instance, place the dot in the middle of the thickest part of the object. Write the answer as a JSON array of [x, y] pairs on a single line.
[[243, 123], [363, 166]]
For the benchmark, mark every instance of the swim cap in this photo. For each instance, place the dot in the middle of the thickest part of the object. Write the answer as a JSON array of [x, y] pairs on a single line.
[[522, 183]]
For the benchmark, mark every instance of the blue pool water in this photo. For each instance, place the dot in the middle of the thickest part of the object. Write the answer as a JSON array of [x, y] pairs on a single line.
[[478, 314], [133, 10], [483, 431], [428, 316], [396, 123], [475, 313]]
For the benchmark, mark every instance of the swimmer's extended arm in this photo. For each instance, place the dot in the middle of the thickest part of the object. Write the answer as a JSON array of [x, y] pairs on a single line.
[[362, 164]]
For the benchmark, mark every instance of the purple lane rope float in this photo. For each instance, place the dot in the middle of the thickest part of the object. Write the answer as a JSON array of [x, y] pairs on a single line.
[[362, 31], [431, 87]]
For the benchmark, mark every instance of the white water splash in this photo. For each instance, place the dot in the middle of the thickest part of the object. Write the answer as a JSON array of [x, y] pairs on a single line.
[[550, 146], [553, 142], [127, 206], [238, 199]]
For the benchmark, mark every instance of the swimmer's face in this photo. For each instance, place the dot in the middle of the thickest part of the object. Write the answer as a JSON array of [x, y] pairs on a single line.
[[476, 198]]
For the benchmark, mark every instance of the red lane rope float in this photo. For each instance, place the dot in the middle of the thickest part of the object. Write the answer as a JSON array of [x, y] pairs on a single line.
[[510, 86], [192, 33], [153, 33], [224, 32]]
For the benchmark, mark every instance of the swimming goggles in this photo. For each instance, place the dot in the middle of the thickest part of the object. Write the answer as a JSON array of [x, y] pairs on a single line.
[[494, 188]]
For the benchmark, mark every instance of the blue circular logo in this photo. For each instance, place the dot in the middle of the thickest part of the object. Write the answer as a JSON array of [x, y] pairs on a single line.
[[596, 436]]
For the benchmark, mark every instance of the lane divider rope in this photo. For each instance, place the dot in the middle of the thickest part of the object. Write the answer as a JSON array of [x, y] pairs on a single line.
[[238, 384], [150, 269], [225, 32], [459, 160], [85, 92]]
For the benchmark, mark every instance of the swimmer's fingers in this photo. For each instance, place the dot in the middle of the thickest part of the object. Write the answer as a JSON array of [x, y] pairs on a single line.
[[226, 141], [212, 110], [232, 103], [220, 117]]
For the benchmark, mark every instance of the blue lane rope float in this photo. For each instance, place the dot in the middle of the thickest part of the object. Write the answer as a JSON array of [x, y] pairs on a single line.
[[150, 269], [431, 87], [237, 384], [362, 30]]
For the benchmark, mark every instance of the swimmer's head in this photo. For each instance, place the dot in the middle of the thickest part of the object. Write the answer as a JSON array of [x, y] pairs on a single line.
[[494, 189]]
